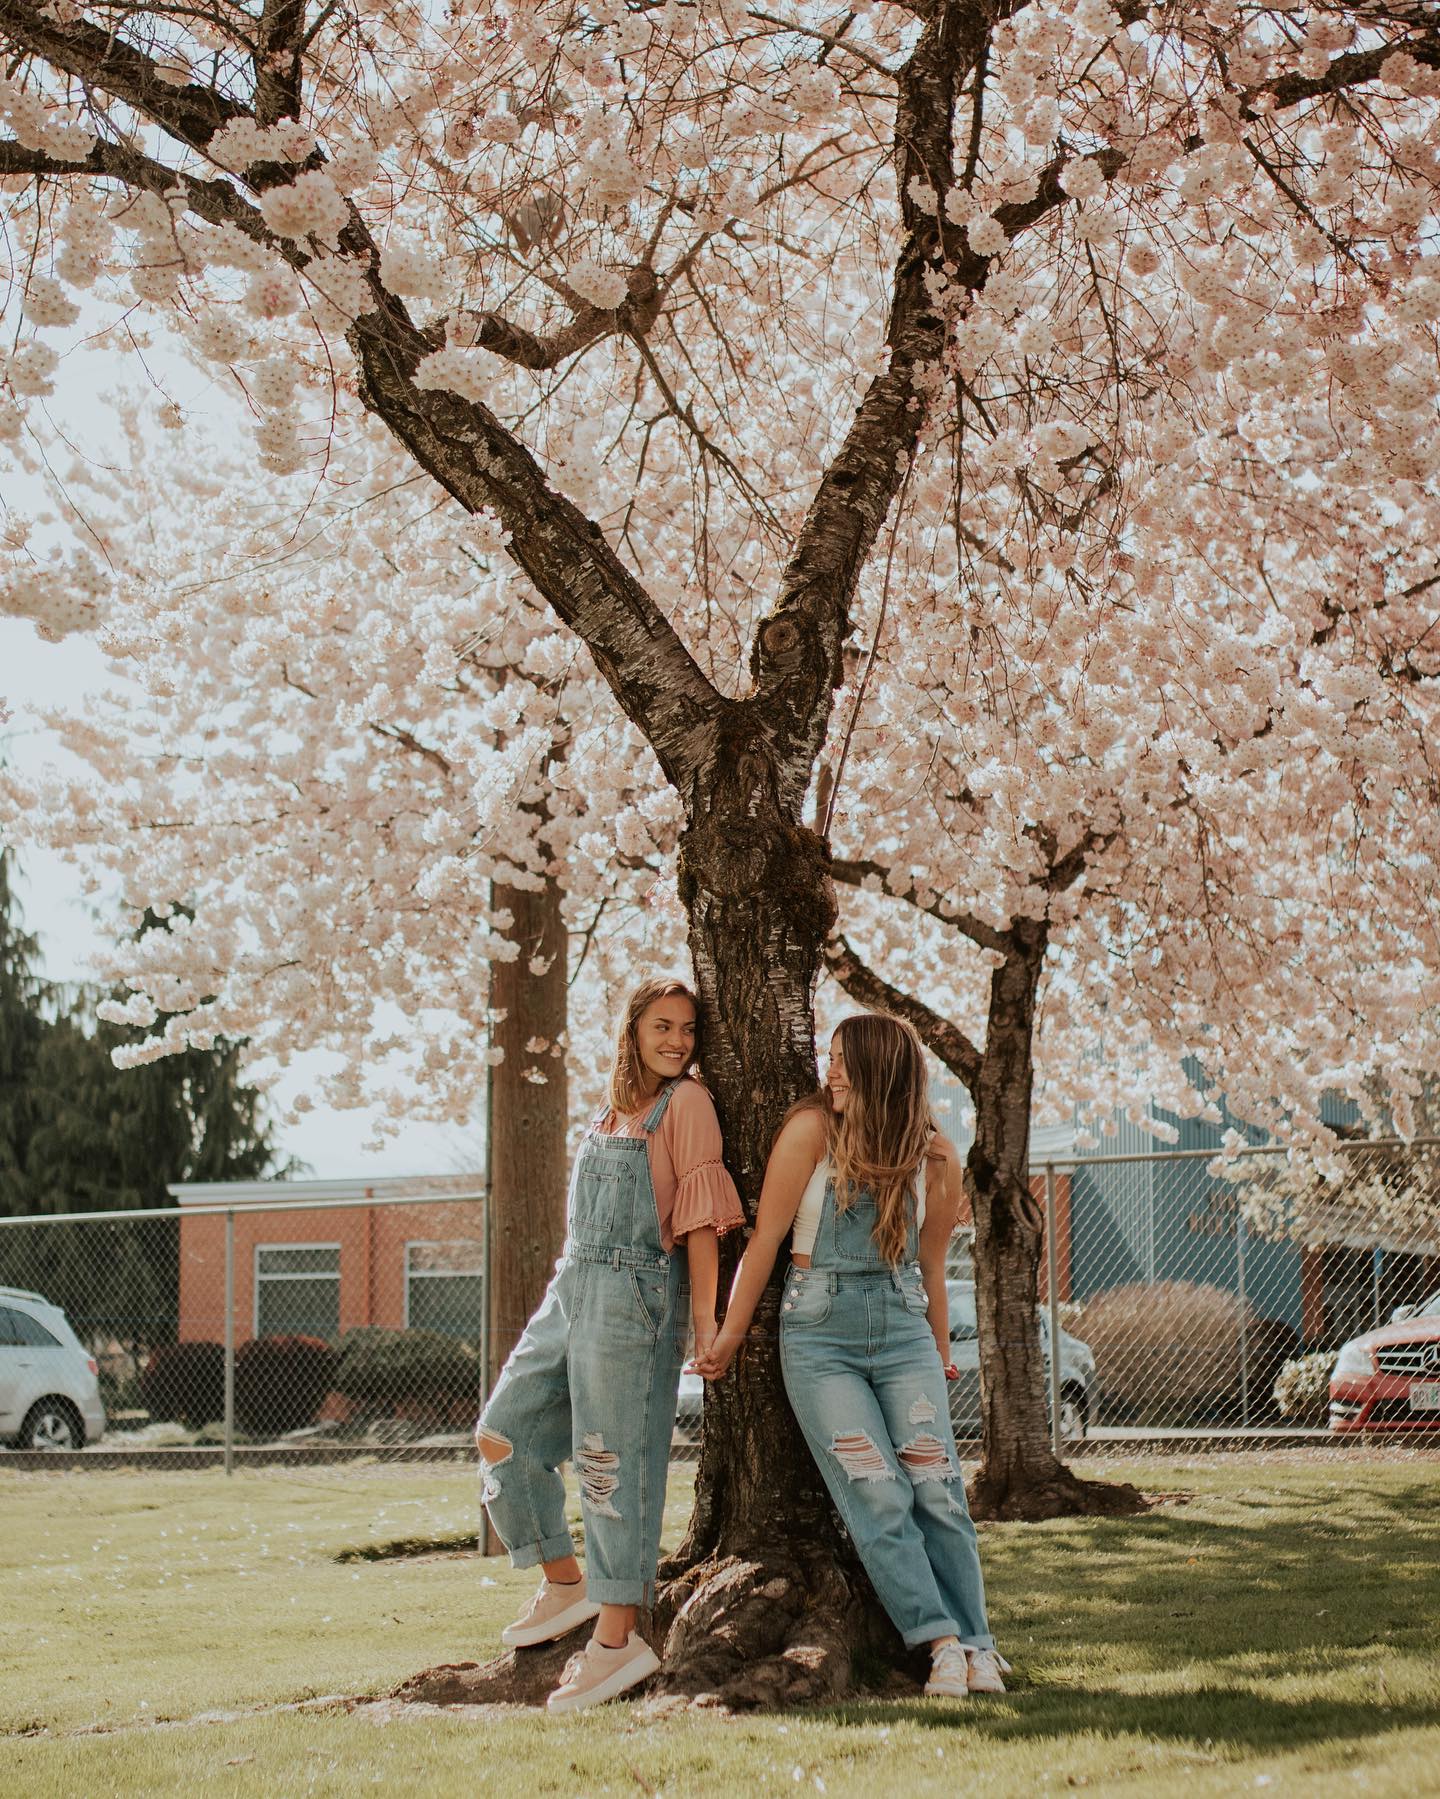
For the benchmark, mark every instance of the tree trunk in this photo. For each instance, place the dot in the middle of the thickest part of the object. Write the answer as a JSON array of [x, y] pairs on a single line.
[[764, 1604], [529, 1122], [1020, 1476]]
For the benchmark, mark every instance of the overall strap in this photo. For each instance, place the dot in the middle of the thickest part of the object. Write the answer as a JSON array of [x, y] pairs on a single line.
[[657, 1111]]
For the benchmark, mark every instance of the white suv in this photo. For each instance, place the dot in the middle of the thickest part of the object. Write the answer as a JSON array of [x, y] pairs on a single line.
[[49, 1383]]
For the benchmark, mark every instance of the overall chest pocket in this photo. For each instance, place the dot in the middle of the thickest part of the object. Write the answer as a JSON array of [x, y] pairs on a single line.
[[601, 1197], [854, 1232]]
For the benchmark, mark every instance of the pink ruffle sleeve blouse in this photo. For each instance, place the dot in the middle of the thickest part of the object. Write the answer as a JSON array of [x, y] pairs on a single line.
[[692, 1186]]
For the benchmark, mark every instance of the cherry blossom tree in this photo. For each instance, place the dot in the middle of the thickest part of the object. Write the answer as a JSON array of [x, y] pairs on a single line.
[[987, 452]]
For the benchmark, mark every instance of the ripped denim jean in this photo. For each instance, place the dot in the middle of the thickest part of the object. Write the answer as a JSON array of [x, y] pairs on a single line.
[[865, 1383], [593, 1380]]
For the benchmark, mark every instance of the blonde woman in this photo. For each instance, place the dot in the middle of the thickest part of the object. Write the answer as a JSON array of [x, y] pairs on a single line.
[[870, 1192], [594, 1377]]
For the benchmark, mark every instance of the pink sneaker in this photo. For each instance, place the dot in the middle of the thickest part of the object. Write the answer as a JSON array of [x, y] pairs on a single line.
[[597, 1674], [957, 1671], [986, 1667], [553, 1612]]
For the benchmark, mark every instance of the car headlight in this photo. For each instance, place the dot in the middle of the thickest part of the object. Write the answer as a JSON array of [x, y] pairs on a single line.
[[1354, 1359]]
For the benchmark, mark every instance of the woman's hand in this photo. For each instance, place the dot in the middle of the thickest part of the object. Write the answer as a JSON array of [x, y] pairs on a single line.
[[704, 1330], [716, 1360]]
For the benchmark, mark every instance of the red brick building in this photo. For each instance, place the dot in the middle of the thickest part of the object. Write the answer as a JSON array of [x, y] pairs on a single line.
[[321, 1257]]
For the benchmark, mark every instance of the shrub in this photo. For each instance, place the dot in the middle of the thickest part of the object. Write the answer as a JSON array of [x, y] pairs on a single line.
[[281, 1383], [1302, 1387], [1167, 1352], [387, 1372], [185, 1382]]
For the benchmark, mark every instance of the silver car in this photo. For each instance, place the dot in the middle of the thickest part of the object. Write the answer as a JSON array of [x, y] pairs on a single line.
[[49, 1381], [1079, 1392]]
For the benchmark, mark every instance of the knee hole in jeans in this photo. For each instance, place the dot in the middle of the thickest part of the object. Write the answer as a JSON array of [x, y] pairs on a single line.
[[599, 1470], [925, 1457], [858, 1455], [495, 1449]]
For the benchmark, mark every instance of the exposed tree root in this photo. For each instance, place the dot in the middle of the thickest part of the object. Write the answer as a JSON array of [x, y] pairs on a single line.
[[517, 1677], [1057, 1494], [737, 1633]]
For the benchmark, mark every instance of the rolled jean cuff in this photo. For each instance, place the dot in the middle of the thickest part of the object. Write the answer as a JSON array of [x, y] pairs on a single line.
[[548, 1549], [619, 1592], [977, 1642], [927, 1633]]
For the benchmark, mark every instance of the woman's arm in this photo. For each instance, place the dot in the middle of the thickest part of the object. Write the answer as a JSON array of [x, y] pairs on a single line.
[[942, 1208], [702, 1247], [798, 1149], [705, 1202]]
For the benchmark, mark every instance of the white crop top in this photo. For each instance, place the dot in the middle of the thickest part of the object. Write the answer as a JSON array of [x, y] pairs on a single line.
[[812, 1201]]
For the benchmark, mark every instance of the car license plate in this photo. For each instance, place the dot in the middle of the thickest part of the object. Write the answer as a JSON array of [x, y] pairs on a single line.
[[1425, 1396]]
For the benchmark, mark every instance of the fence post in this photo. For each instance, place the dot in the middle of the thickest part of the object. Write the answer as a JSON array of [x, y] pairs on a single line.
[[1244, 1332], [230, 1341], [490, 1543], [1052, 1276]]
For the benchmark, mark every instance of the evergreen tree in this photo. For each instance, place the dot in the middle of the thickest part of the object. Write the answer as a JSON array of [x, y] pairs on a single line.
[[81, 1135], [22, 1027]]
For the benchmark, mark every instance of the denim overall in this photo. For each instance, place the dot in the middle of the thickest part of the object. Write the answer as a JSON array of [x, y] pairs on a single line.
[[866, 1384], [594, 1379]]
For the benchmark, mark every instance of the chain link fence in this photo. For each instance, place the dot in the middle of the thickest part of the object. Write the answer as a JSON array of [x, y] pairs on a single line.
[[1219, 1294], [1179, 1295], [347, 1325]]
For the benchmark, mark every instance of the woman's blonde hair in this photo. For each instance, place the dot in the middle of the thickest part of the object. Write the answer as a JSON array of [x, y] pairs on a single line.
[[879, 1141], [628, 1087]]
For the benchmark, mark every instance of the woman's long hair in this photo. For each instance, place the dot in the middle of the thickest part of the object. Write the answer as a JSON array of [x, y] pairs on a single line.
[[628, 1086], [879, 1141]]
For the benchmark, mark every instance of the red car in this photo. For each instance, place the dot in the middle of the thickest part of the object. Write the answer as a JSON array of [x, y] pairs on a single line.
[[1390, 1377]]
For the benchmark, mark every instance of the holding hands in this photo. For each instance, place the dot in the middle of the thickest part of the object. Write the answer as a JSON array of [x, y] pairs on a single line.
[[714, 1359]]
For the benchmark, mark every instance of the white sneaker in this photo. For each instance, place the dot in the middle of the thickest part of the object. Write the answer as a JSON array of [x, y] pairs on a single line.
[[553, 1612], [986, 1667], [957, 1670], [949, 1673], [597, 1674]]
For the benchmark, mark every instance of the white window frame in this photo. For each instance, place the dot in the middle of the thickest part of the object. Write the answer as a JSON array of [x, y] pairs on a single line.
[[440, 1274], [311, 1275]]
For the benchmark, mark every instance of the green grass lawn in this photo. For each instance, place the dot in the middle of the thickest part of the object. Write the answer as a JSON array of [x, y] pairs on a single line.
[[1277, 1631]]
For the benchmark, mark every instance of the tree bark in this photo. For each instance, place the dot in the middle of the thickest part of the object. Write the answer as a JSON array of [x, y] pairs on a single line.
[[529, 1123], [1020, 1475]]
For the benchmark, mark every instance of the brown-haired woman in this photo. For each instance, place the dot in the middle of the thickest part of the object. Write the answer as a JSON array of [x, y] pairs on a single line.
[[871, 1192], [593, 1378]]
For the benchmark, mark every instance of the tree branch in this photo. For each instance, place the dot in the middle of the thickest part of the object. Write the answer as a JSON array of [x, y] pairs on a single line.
[[217, 202], [192, 113], [868, 989], [277, 61], [855, 873], [1354, 69], [633, 317], [460, 442], [797, 656]]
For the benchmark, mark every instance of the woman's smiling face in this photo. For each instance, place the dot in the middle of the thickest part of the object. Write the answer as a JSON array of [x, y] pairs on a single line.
[[835, 1075], [665, 1037]]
